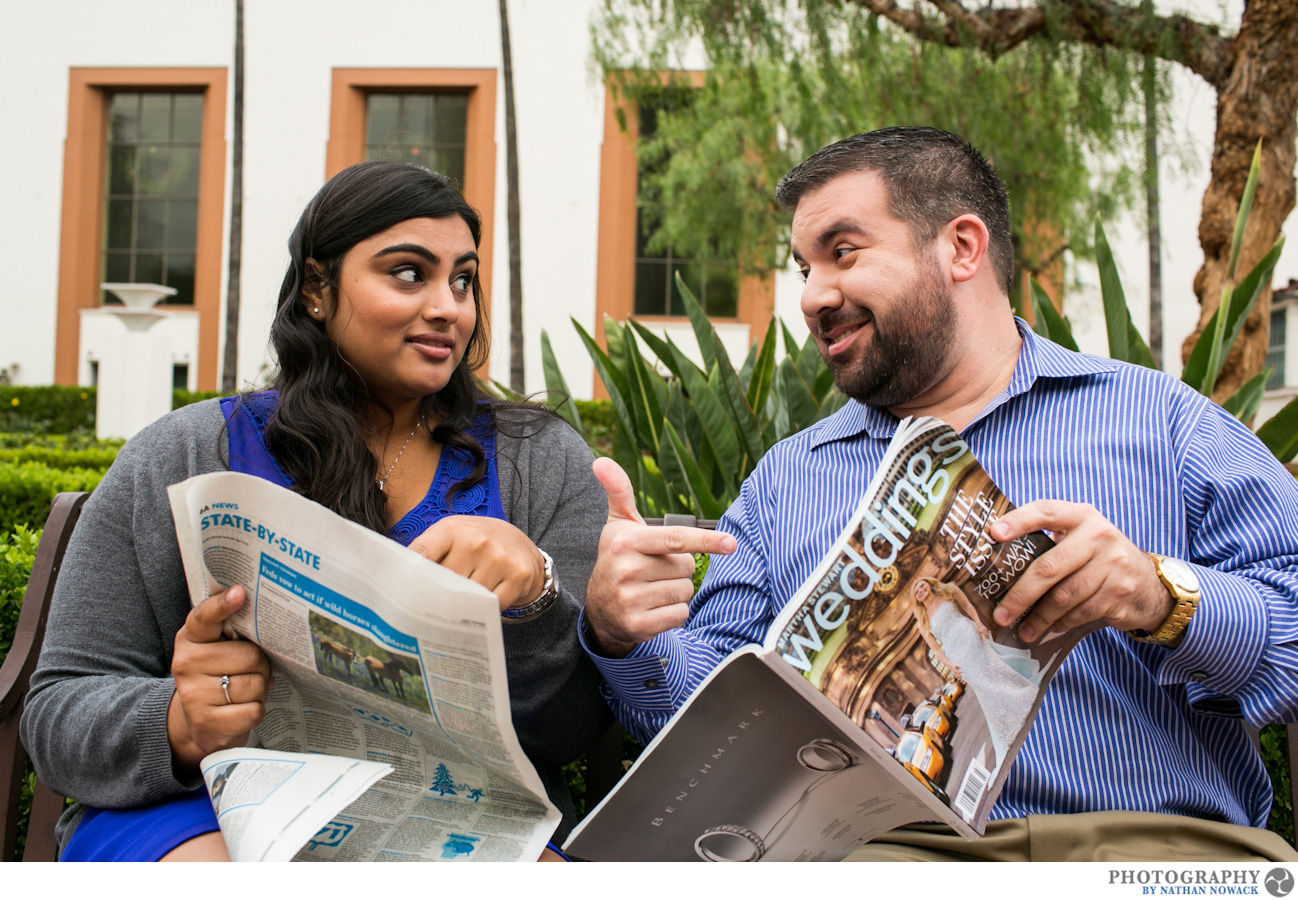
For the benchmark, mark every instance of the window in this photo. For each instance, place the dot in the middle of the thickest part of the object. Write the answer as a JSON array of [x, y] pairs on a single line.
[[427, 129], [1275, 350], [151, 191], [180, 376], [143, 188], [714, 283]]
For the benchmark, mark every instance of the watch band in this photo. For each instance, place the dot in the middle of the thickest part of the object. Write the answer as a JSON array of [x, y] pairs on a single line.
[[1181, 583], [549, 593]]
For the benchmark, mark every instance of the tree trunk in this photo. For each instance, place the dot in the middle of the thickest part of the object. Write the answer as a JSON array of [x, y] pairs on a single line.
[[1259, 101], [516, 379], [1153, 223], [230, 361]]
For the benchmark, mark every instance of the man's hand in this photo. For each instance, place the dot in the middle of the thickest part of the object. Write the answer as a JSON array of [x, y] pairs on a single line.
[[643, 578], [1093, 573]]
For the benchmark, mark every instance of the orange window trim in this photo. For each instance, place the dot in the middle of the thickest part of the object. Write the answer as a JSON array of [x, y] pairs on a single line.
[[347, 135], [81, 230], [615, 268]]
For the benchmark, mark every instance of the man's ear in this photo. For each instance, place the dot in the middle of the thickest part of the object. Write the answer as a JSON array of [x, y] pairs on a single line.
[[967, 239], [314, 296]]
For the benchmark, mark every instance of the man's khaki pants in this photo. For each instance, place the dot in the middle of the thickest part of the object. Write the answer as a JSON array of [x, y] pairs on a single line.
[[1083, 837]]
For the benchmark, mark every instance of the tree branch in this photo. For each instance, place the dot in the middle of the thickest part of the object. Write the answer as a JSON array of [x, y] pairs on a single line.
[[1100, 23]]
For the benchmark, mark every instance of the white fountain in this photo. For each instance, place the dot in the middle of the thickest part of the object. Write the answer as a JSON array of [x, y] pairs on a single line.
[[135, 382]]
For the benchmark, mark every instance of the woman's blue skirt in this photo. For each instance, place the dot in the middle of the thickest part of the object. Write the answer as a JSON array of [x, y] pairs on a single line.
[[142, 834]]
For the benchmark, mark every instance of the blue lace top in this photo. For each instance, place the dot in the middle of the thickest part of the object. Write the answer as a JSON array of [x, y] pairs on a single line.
[[246, 427]]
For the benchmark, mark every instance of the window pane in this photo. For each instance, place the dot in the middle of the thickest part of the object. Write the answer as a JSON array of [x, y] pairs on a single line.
[[182, 225], [188, 127], [118, 233], [417, 117], [155, 160], [155, 117], [117, 267], [381, 123], [121, 170], [148, 268], [450, 115], [722, 289], [650, 289], [124, 118], [180, 275], [150, 224], [450, 163], [183, 179]]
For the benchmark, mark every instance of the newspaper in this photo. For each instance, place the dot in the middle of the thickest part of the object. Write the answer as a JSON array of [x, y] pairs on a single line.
[[377, 654], [883, 694]]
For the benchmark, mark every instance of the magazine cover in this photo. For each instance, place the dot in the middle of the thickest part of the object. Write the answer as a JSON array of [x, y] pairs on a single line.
[[896, 628]]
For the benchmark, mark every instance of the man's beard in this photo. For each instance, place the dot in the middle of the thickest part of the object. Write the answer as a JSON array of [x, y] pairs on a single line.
[[907, 353]]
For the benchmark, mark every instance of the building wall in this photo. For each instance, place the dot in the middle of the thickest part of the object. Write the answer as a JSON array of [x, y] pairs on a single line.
[[292, 47]]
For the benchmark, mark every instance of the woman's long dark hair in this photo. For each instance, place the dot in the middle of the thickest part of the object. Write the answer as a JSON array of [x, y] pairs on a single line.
[[318, 432]]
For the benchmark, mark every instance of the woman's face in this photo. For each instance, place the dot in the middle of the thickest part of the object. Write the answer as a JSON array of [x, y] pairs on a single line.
[[921, 590], [404, 308]]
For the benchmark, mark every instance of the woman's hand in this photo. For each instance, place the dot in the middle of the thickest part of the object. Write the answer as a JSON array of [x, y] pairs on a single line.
[[490, 551], [201, 720]]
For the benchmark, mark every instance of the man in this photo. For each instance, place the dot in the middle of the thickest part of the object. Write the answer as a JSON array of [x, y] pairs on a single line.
[[1139, 750]]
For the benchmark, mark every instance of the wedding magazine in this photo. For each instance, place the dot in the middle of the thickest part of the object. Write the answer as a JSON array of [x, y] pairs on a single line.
[[883, 694]]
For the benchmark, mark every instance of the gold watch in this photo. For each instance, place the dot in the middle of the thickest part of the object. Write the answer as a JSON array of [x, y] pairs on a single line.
[[1183, 585]]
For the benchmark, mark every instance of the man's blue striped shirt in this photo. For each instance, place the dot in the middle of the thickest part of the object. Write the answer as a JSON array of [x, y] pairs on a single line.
[[1124, 725]]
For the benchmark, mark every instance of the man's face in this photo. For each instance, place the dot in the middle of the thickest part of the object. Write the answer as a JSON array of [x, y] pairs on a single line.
[[880, 311]]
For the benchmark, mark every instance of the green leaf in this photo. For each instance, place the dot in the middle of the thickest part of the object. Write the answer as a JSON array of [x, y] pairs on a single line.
[[1137, 349], [745, 422], [1245, 207], [646, 394], [718, 428], [624, 450], [1117, 319], [1280, 433], [557, 386], [704, 332], [658, 347], [1204, 364], [759, 385], [802, 405], [1050, 324], [1244, 403], [706, 506]]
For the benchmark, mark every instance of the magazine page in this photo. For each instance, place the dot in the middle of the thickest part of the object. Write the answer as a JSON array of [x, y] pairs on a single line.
[[378, 654], [895, 626], [749, 770], [269, 804]]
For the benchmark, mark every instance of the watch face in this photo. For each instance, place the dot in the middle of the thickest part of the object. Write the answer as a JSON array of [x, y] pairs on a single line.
[[1180, 575]]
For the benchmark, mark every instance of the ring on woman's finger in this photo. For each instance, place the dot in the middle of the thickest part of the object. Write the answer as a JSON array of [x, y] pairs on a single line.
[[225, 686]]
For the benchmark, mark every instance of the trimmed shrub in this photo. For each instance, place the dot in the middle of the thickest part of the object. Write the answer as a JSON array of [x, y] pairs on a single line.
[[27, 488], [47, 408], [181, 398], [17, 550]]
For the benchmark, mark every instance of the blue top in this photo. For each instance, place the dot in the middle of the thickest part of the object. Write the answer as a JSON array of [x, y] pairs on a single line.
[[246, 427], [1124, 725]]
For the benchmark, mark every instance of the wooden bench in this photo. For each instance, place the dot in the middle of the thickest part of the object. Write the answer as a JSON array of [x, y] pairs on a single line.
[[604, 761], [14, 677]]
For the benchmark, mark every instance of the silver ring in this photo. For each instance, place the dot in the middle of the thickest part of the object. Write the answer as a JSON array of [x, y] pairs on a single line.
[[225, 686]]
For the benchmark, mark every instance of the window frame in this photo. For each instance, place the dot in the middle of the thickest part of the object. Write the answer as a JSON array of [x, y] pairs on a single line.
[[350, 89], [618, 195], [84, 181]]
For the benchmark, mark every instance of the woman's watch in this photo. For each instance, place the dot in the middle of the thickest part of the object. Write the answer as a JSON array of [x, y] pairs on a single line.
[[549, 593], [1183, 585]]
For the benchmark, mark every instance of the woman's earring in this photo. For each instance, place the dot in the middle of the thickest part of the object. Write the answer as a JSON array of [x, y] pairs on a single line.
[[315, 310]]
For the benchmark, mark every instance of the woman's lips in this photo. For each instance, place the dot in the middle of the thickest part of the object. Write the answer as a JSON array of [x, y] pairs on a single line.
[[434, 345]]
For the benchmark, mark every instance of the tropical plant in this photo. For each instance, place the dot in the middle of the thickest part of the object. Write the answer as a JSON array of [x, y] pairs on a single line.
[[1203, 369], [688, 435]]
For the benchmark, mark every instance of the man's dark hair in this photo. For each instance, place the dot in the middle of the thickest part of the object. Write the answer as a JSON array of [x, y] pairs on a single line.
[[932, 177]]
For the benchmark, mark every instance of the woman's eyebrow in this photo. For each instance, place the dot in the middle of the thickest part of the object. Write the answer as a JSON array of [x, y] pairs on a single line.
[[465, 257], [416, 249]]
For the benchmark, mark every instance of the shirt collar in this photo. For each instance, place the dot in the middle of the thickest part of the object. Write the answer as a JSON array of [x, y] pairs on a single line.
[[1038, 358]]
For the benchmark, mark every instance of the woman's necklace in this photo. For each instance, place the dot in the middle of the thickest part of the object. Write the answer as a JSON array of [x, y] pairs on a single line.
[[399, 452]]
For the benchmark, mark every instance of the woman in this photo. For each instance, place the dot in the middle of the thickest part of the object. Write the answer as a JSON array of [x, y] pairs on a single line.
[[374, 414], [1004, 679]]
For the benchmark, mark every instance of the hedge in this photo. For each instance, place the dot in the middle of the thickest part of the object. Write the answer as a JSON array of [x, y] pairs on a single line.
[[27, 488]]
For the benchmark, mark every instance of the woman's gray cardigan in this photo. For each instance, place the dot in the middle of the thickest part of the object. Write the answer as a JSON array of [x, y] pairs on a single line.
[[95, 721]]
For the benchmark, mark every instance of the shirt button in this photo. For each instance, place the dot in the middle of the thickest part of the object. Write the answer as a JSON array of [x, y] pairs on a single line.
[[1198, 676], [651, 683]]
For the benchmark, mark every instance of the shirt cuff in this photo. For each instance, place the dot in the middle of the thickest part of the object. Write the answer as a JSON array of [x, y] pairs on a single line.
[[1226, 637], [653, 676]]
